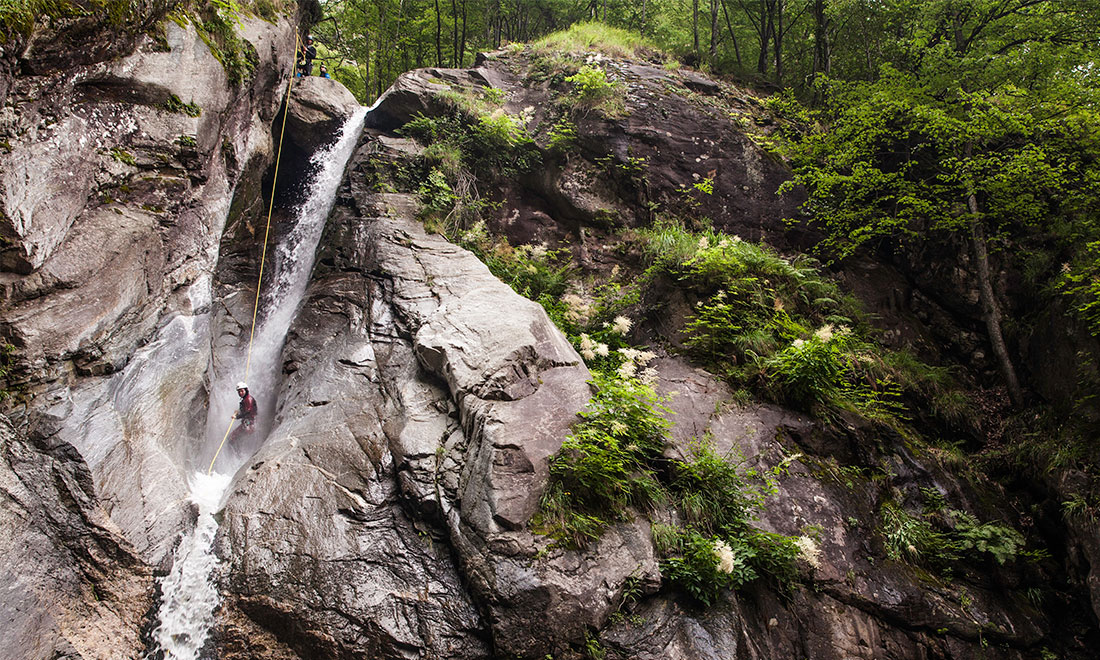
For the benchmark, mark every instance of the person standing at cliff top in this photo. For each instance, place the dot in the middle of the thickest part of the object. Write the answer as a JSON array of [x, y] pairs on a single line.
[[246, 413], [308, 54]]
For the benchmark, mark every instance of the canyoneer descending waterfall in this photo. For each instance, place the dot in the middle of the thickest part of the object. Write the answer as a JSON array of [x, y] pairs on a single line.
[[246, 413]]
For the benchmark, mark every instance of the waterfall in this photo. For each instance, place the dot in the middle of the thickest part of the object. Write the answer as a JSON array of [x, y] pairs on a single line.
[[293, 262], [189, 593]]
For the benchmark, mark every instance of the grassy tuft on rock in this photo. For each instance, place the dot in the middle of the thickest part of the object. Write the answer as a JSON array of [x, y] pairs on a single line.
[[594, 37]]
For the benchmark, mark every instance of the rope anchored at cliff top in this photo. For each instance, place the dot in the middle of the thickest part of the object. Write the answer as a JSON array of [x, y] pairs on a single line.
[[263, 254]]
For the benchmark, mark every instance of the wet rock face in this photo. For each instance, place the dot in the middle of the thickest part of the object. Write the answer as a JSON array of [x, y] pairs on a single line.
[[411, 395], [72, 586], [422, 402], [680, 129], [116, 185], [387, 515], [318, 108], [116, 174]]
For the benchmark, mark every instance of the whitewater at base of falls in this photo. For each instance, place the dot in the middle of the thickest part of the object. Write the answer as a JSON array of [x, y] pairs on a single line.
[[189, 593]]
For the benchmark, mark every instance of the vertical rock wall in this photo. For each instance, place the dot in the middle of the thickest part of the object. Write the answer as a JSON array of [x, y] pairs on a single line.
[[118, 164]]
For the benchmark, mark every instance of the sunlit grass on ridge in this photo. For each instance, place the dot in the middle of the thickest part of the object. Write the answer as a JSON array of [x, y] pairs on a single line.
[[598, 37]]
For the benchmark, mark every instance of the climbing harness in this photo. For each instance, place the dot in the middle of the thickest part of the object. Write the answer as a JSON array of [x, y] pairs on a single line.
[[267, 231]]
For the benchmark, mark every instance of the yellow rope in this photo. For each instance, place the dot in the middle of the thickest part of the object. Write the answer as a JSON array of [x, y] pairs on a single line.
[[267, 231]]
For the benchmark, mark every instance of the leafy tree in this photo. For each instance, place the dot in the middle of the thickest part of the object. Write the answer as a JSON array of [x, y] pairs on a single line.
[[974, 130]]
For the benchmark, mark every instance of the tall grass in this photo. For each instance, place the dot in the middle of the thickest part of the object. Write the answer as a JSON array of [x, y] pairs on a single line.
[[592, 36]]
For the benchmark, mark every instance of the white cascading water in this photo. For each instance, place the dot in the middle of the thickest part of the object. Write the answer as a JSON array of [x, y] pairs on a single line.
[[189, 593], [293, 262]]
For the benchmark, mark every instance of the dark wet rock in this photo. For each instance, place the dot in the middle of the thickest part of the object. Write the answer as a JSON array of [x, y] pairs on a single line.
[[72, 586], [667, 142], [414, 93], [318, 108], [468, 405]]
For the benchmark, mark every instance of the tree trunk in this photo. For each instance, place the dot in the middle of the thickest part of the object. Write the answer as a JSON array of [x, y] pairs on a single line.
[[713, 31], [462, 48], [777, 38], [990, 309], [695, 29], [765, 37], [822, 62], [729, 26], [454, 34], [438, 36]]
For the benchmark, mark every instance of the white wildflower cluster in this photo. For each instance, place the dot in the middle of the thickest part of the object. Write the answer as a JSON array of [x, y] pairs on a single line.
[[635, 365], [703, 243], [536, 251], [619, 428], [809, 550], [621, 325], [724, 553], [798, 343], [577, 309], [591, 348], [475, 234], [526, 115], [827, 332]]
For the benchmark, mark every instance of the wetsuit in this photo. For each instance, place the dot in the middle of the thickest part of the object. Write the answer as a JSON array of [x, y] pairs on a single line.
[[247, 414]]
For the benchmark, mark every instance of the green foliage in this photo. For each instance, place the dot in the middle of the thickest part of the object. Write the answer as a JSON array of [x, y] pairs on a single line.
[[956, 536], [187, 141], [755, 324], [610, 465], [1081, 507], [696, 565], [123, 156], [706, 186], [460, 149], [715, 496], [531, 270], [437, 198], [593, 90], [717, 502], [18, 17], [175, 104], [898, 160], [500, 131], [1080, 281], [562, 136], [7, 361], [606, 465], [913, 539], [808, 372], [590, 84], [1000, 542], [216, 23], [593, 650], [490, 144]]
